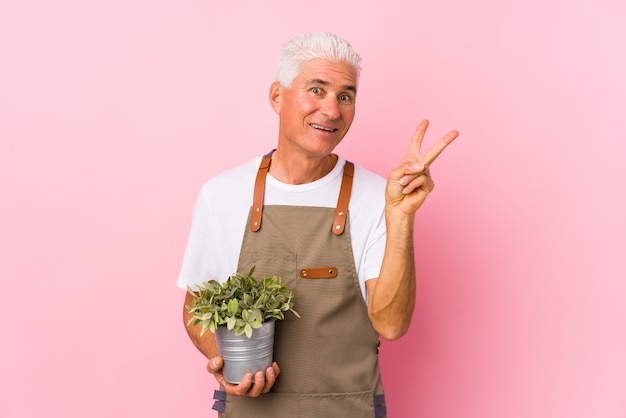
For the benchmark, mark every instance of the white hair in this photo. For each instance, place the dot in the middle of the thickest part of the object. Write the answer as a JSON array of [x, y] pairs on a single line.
[[311, 46]]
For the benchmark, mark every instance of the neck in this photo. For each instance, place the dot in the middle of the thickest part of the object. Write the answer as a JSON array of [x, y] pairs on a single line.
[[294, 170]]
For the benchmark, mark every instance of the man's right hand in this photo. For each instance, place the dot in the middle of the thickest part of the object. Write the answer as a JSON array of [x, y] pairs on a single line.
[[262, 382]]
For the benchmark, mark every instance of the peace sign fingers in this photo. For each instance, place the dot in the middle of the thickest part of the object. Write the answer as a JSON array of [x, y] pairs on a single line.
[[410, 183], [413, 153]]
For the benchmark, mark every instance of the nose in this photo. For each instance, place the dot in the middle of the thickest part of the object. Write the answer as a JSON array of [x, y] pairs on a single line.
[[330, 107]]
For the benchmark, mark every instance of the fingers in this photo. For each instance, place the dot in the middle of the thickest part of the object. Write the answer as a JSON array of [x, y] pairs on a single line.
[[413, 153], [270, 377], [215, 365], [262, 382], [248, 388], [438, 148], [409, 170], [420, 179]]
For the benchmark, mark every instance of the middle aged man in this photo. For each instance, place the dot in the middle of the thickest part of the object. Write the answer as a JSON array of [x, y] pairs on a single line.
[[302, 207]]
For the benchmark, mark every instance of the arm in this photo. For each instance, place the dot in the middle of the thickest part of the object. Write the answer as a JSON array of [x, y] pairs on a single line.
[[205, 343], [207, 346], [392, 295]]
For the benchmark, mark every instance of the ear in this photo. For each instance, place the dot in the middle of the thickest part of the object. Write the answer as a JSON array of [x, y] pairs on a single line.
[[276, 94]]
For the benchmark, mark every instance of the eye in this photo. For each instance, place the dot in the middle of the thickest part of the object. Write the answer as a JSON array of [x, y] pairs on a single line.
[[316, 90], [345, 98]]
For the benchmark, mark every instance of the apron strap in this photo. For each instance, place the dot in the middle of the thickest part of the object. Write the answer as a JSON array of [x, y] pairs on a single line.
[[259, 192], [341, 212]]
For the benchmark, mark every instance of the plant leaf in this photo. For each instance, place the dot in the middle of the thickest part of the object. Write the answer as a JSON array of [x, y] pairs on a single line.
[[233, 307]]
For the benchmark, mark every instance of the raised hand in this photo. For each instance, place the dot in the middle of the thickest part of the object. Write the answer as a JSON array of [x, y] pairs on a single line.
[[410, 183]]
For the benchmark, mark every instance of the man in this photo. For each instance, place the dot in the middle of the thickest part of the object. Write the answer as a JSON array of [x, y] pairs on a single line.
[[302, 207]]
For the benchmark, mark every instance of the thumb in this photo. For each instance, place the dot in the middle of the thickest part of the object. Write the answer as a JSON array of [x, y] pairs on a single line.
[[215, 364]]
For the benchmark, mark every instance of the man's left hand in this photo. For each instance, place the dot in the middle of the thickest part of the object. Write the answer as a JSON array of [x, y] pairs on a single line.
[[410, 183]]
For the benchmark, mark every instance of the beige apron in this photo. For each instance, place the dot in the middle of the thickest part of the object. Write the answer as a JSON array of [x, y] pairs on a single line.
[[329, 357]]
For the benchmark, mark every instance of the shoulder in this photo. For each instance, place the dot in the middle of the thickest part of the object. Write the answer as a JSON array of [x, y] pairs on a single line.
[[362, 174], [368, 183], [368, 192]]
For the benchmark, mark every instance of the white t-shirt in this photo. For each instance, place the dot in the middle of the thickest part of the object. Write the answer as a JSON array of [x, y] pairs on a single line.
[[221, 211]]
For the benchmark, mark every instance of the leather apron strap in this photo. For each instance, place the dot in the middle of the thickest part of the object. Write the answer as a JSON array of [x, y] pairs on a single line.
[[341, 211], [259, 192]]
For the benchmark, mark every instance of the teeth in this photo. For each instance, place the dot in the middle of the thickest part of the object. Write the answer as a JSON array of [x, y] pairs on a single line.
[[316, 126]]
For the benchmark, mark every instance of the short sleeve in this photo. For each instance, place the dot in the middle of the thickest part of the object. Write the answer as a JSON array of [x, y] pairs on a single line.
[[194, 268]]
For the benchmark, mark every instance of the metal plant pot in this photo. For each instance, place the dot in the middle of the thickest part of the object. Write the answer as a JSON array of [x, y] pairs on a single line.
[[245, 355]]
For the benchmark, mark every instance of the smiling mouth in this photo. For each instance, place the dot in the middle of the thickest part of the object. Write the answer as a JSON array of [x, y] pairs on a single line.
[[323, 128]]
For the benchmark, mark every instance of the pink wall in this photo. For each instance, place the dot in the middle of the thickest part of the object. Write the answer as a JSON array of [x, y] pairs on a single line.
[[112, 114]]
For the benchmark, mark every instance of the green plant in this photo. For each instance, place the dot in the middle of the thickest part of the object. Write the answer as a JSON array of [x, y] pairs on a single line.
[[241, 303]]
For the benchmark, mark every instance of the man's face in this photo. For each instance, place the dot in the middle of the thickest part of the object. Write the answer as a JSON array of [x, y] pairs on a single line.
[[317, 110]]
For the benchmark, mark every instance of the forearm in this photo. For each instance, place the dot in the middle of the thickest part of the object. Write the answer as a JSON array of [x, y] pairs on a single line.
[[205, 343], [392, 295]]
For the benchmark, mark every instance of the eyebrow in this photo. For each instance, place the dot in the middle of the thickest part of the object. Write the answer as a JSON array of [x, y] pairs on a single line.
[[348, 87]]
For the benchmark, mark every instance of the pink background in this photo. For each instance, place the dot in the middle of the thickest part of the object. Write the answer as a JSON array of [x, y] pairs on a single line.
[[113, 113]]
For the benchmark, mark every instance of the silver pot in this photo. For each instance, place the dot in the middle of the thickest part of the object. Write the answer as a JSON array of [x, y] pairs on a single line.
[[245, 355]]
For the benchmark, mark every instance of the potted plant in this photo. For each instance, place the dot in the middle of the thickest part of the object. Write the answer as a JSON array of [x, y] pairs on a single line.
[[241, 312]]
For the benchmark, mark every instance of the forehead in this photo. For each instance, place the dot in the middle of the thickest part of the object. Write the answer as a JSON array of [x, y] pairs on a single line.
[[333, 73]]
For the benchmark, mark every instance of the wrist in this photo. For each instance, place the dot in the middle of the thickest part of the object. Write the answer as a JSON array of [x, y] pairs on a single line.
[[398, 216]]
